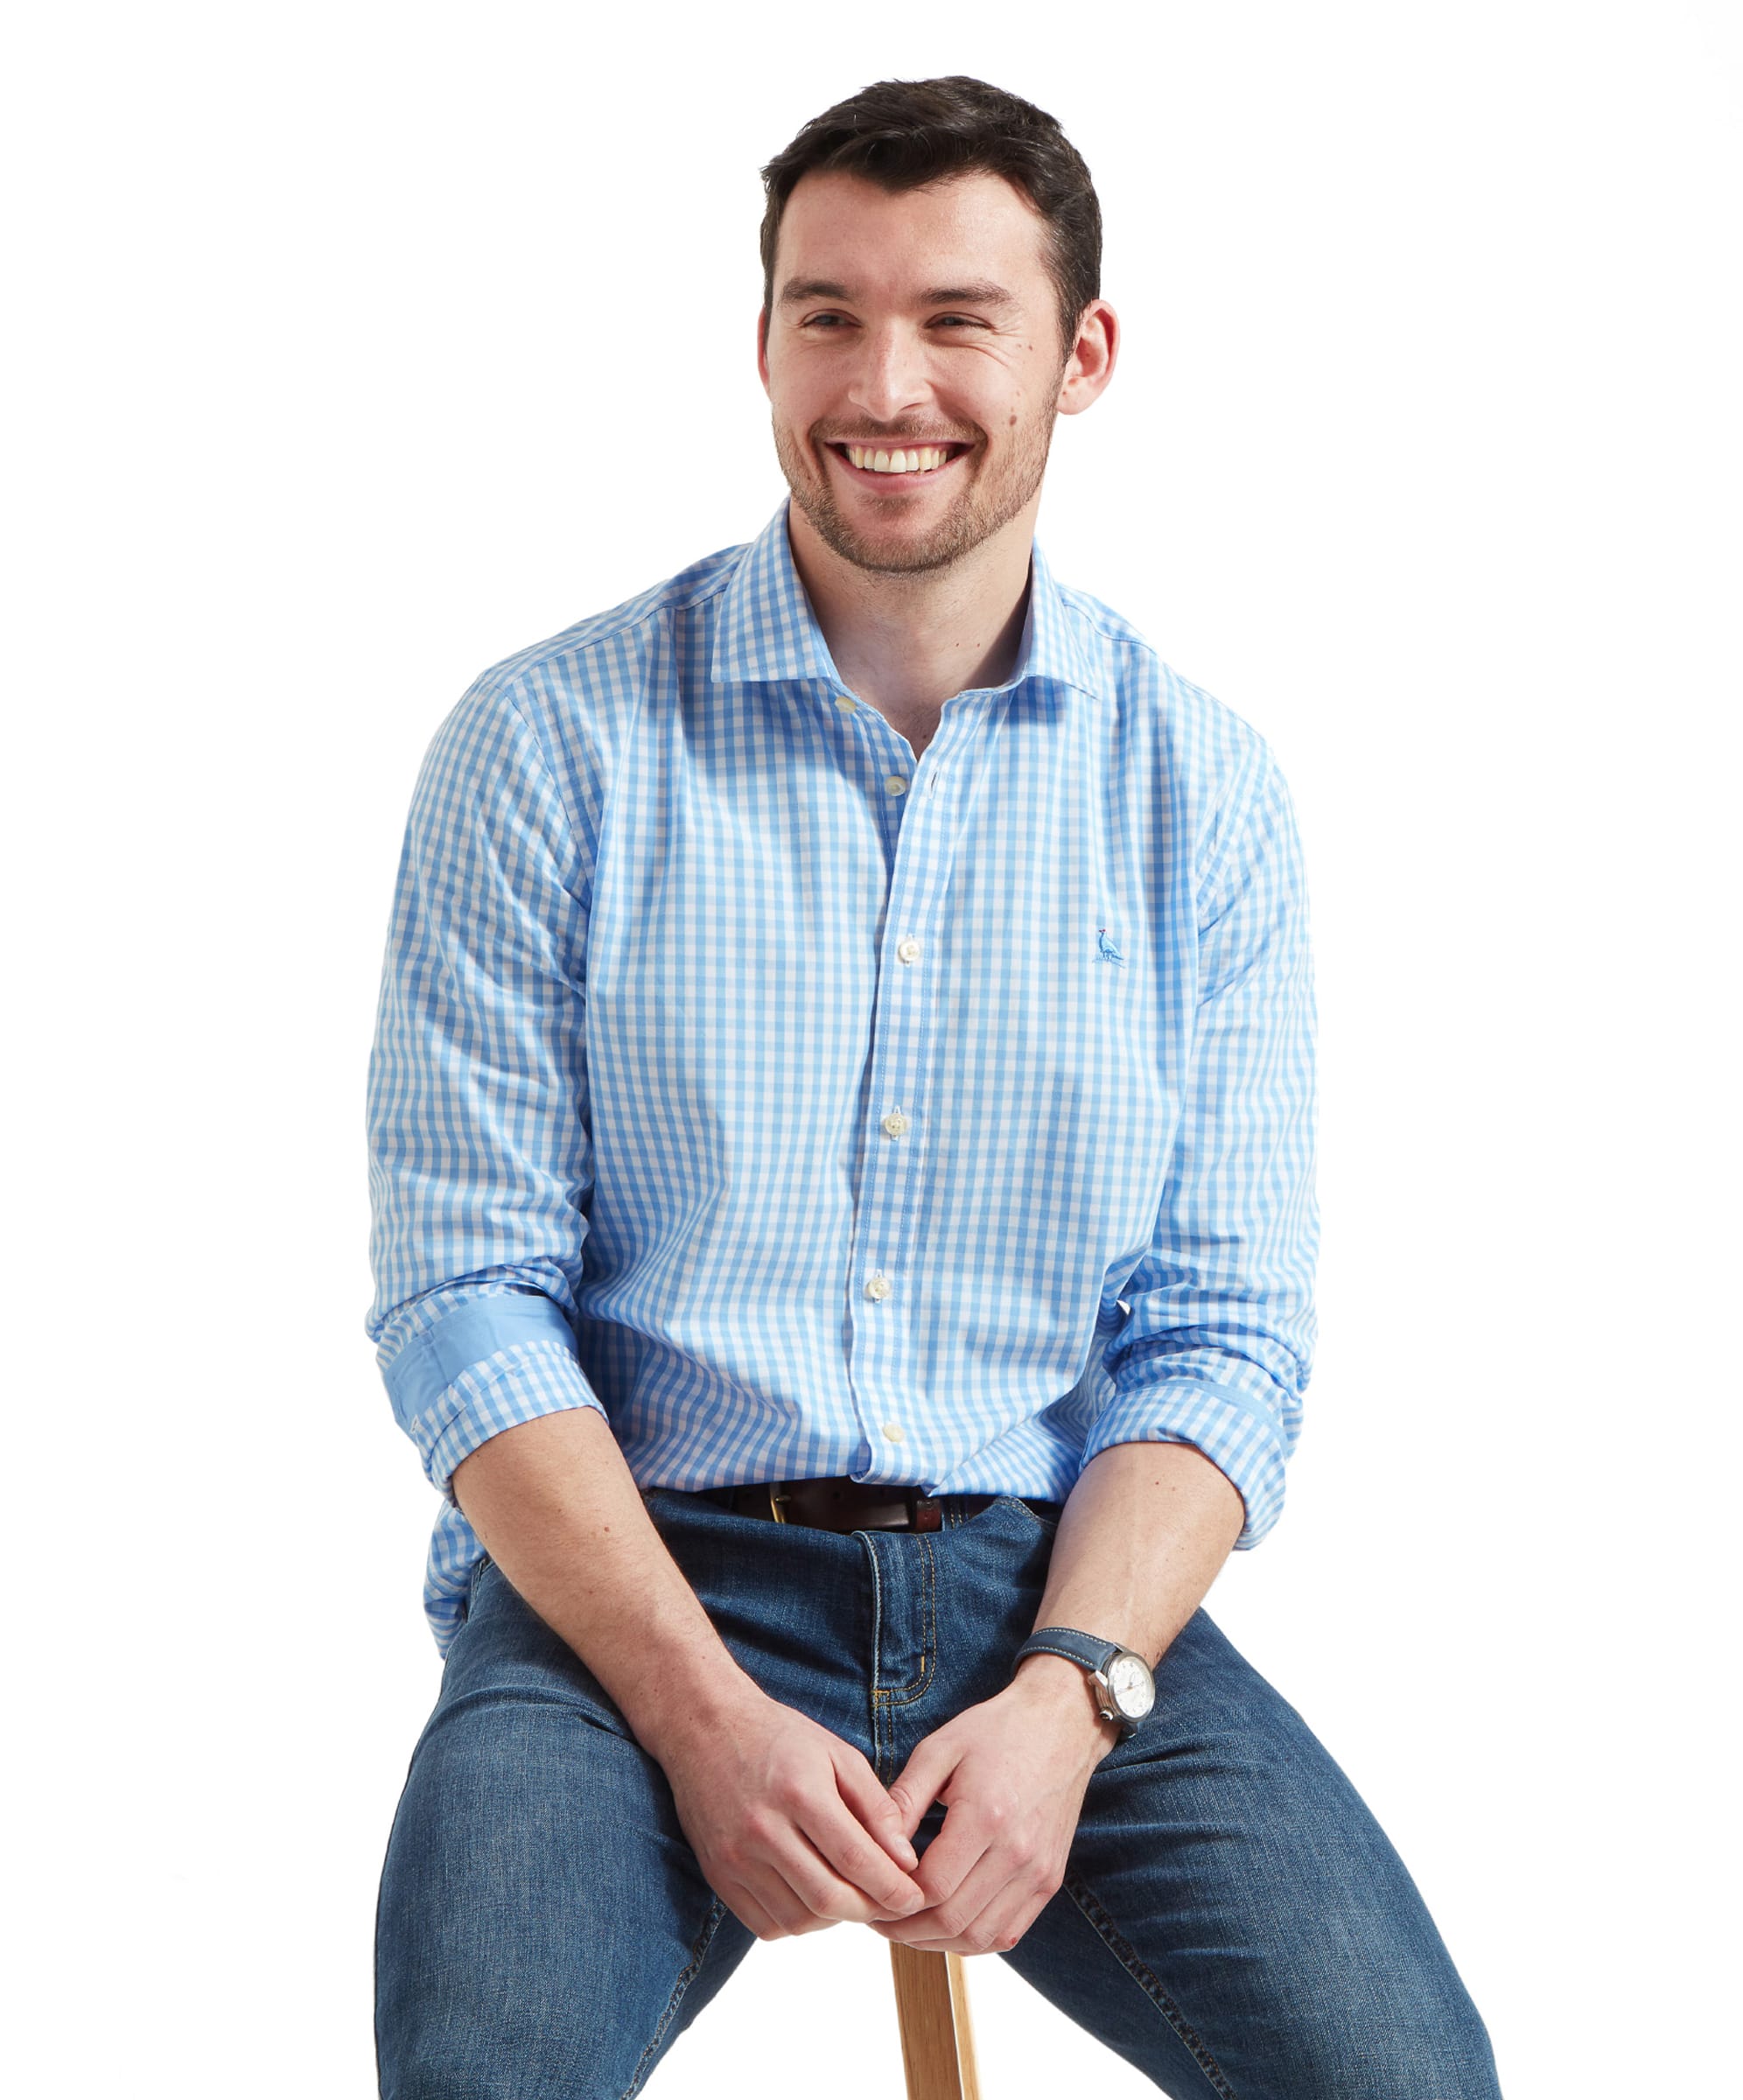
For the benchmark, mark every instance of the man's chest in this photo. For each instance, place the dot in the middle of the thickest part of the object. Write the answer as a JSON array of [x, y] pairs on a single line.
[[802, 939]]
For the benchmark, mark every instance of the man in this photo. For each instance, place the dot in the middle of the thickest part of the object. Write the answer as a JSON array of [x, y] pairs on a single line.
[[842, 1150]]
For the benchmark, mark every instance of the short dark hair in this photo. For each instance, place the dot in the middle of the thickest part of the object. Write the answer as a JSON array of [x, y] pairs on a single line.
[[902, 134]]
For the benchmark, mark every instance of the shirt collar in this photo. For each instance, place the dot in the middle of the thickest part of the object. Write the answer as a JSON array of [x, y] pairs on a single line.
[[766, 629]]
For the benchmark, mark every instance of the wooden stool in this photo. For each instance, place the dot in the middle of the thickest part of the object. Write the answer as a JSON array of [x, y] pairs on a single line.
[[932, 2008]]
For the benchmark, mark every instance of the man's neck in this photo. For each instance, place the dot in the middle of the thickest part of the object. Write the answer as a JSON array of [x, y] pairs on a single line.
[[907, 643]]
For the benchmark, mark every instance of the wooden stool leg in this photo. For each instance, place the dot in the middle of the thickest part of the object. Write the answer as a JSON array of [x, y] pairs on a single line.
[[932, 2007]]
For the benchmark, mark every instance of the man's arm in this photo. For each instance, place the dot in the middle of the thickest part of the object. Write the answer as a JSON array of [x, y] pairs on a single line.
[[1187, 1457], [790, 1825], [481, 1167], [1140, 1541]]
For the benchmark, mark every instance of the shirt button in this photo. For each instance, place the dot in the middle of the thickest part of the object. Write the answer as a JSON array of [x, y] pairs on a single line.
[[893, 1431], [879, 1287], [895, 1124], [846, 703], [895, 783], [907, 949]]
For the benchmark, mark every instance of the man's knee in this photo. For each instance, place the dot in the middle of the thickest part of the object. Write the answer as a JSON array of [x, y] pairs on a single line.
[[1404, 2030]]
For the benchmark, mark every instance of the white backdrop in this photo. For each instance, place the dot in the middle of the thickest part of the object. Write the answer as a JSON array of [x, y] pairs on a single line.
[[361, 344]]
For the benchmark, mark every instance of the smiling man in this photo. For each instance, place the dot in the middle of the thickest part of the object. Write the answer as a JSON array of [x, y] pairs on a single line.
[[842, 1155]]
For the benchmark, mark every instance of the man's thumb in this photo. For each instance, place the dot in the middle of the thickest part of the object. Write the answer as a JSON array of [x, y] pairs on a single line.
[[915, 1787], [860, 1790]]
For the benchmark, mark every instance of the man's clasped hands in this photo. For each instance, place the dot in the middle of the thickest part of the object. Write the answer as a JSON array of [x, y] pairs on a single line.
[[794, 1831]]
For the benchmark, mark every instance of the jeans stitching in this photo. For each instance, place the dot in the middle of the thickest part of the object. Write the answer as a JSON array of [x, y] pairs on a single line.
[[1096, 1917], [1048, 1526], [686, 1977], [877, 1634], [904, 1695]]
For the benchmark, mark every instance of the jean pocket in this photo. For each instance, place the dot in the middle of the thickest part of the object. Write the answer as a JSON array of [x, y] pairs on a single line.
[[1046, 1524], [475, 1576]]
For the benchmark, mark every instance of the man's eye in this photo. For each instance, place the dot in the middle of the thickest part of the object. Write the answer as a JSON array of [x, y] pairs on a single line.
[[956, 321], [822, 321]]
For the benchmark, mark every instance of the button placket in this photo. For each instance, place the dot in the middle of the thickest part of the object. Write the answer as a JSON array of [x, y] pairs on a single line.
[[895, 1153]]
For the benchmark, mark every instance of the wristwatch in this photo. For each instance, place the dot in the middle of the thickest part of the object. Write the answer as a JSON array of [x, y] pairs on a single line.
[[1125, 1688]]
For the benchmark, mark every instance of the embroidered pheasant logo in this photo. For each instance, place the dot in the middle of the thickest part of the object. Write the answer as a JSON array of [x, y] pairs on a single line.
[[1106, 947]]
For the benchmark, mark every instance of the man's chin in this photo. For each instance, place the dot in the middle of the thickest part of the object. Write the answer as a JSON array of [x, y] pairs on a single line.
[[883, 560], [892, 550]]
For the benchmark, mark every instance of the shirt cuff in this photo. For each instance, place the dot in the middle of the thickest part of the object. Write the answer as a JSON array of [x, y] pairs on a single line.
[[1235, 1432], [480, 1370]]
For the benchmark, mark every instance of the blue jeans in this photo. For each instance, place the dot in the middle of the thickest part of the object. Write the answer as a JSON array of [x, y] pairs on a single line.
[[1233, 1920]]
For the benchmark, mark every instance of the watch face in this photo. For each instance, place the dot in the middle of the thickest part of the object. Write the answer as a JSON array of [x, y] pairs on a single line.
[[1131, 1686]]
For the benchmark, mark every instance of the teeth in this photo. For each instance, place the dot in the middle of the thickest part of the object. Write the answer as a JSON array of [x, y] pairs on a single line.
[[920, 461]]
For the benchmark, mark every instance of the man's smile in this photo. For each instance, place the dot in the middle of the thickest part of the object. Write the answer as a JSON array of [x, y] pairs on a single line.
[[908, 463]]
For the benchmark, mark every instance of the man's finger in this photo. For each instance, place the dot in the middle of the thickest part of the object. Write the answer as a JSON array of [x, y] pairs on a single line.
[[920, 1781], [744, 1906], [826, 1894], [784, 1886], [946, 1921], [964, 1839], [866, 1873], [1006, 1919], [864, 1793]]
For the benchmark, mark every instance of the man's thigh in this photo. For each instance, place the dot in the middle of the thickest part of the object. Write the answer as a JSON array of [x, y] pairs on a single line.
[[1234, 1921], [543, 1928]]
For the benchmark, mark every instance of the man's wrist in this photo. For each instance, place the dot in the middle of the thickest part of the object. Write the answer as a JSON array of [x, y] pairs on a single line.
[[680, 1705], [1056, 1684]]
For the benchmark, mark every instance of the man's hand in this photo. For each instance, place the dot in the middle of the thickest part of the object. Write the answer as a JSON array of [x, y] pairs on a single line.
[[1012, 1775], [788, 1823]]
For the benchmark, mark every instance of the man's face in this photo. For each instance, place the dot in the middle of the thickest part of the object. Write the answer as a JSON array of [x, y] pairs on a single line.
[[920, 329]]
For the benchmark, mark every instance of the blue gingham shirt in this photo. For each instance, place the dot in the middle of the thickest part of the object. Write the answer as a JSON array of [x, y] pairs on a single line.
[[809, 1110]]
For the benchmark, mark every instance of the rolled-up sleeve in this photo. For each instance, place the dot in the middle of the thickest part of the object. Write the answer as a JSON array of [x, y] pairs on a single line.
[[1217, 1347], [480, 1161]]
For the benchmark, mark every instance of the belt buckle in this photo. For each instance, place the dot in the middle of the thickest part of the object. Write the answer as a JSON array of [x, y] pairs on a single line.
[[777, 1495], [925, 1512]]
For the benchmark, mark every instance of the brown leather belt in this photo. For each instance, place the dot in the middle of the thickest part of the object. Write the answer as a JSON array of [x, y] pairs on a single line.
[[840, 1504]]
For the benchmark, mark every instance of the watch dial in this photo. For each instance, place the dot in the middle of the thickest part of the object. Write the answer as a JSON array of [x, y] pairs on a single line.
[[1129, 1681]]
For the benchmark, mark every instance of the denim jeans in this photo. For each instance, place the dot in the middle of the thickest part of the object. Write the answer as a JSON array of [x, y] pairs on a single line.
[[1233, 1920]]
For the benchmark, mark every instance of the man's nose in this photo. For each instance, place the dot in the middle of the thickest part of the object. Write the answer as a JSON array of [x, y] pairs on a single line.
[[891, 378]]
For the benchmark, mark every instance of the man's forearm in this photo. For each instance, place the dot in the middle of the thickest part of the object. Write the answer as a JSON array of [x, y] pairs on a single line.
[[790, 1825], [1141, 1538], [1143, 1533], [558, 1509]]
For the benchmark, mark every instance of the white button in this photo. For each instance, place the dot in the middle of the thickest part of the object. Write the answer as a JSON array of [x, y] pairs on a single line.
[[879, 1287], [895, 783], [907, 949], [893, 1431], [846, 703], [895, 1124]]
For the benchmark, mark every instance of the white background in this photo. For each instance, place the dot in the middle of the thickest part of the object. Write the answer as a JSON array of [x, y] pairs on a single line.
[[359, 346]]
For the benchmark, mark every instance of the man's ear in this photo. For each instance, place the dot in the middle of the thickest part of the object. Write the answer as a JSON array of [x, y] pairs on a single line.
[[1090, 365], [762, 346]]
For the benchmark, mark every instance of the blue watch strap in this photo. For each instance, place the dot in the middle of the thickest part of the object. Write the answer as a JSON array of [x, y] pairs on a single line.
[[1073, 1646]]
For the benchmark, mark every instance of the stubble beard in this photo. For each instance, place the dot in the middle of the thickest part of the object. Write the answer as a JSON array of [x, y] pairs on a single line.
[[982, 510]]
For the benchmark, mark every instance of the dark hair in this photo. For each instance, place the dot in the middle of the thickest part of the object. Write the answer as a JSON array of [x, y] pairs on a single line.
[[902, 134]]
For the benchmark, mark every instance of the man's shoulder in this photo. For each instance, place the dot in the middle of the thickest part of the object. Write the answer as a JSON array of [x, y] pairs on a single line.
[[1198, 730], [565, 705], [602, 649]]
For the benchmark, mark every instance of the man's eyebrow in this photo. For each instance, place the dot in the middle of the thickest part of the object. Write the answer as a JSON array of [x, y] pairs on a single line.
[[982, 293], [796, 290]]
